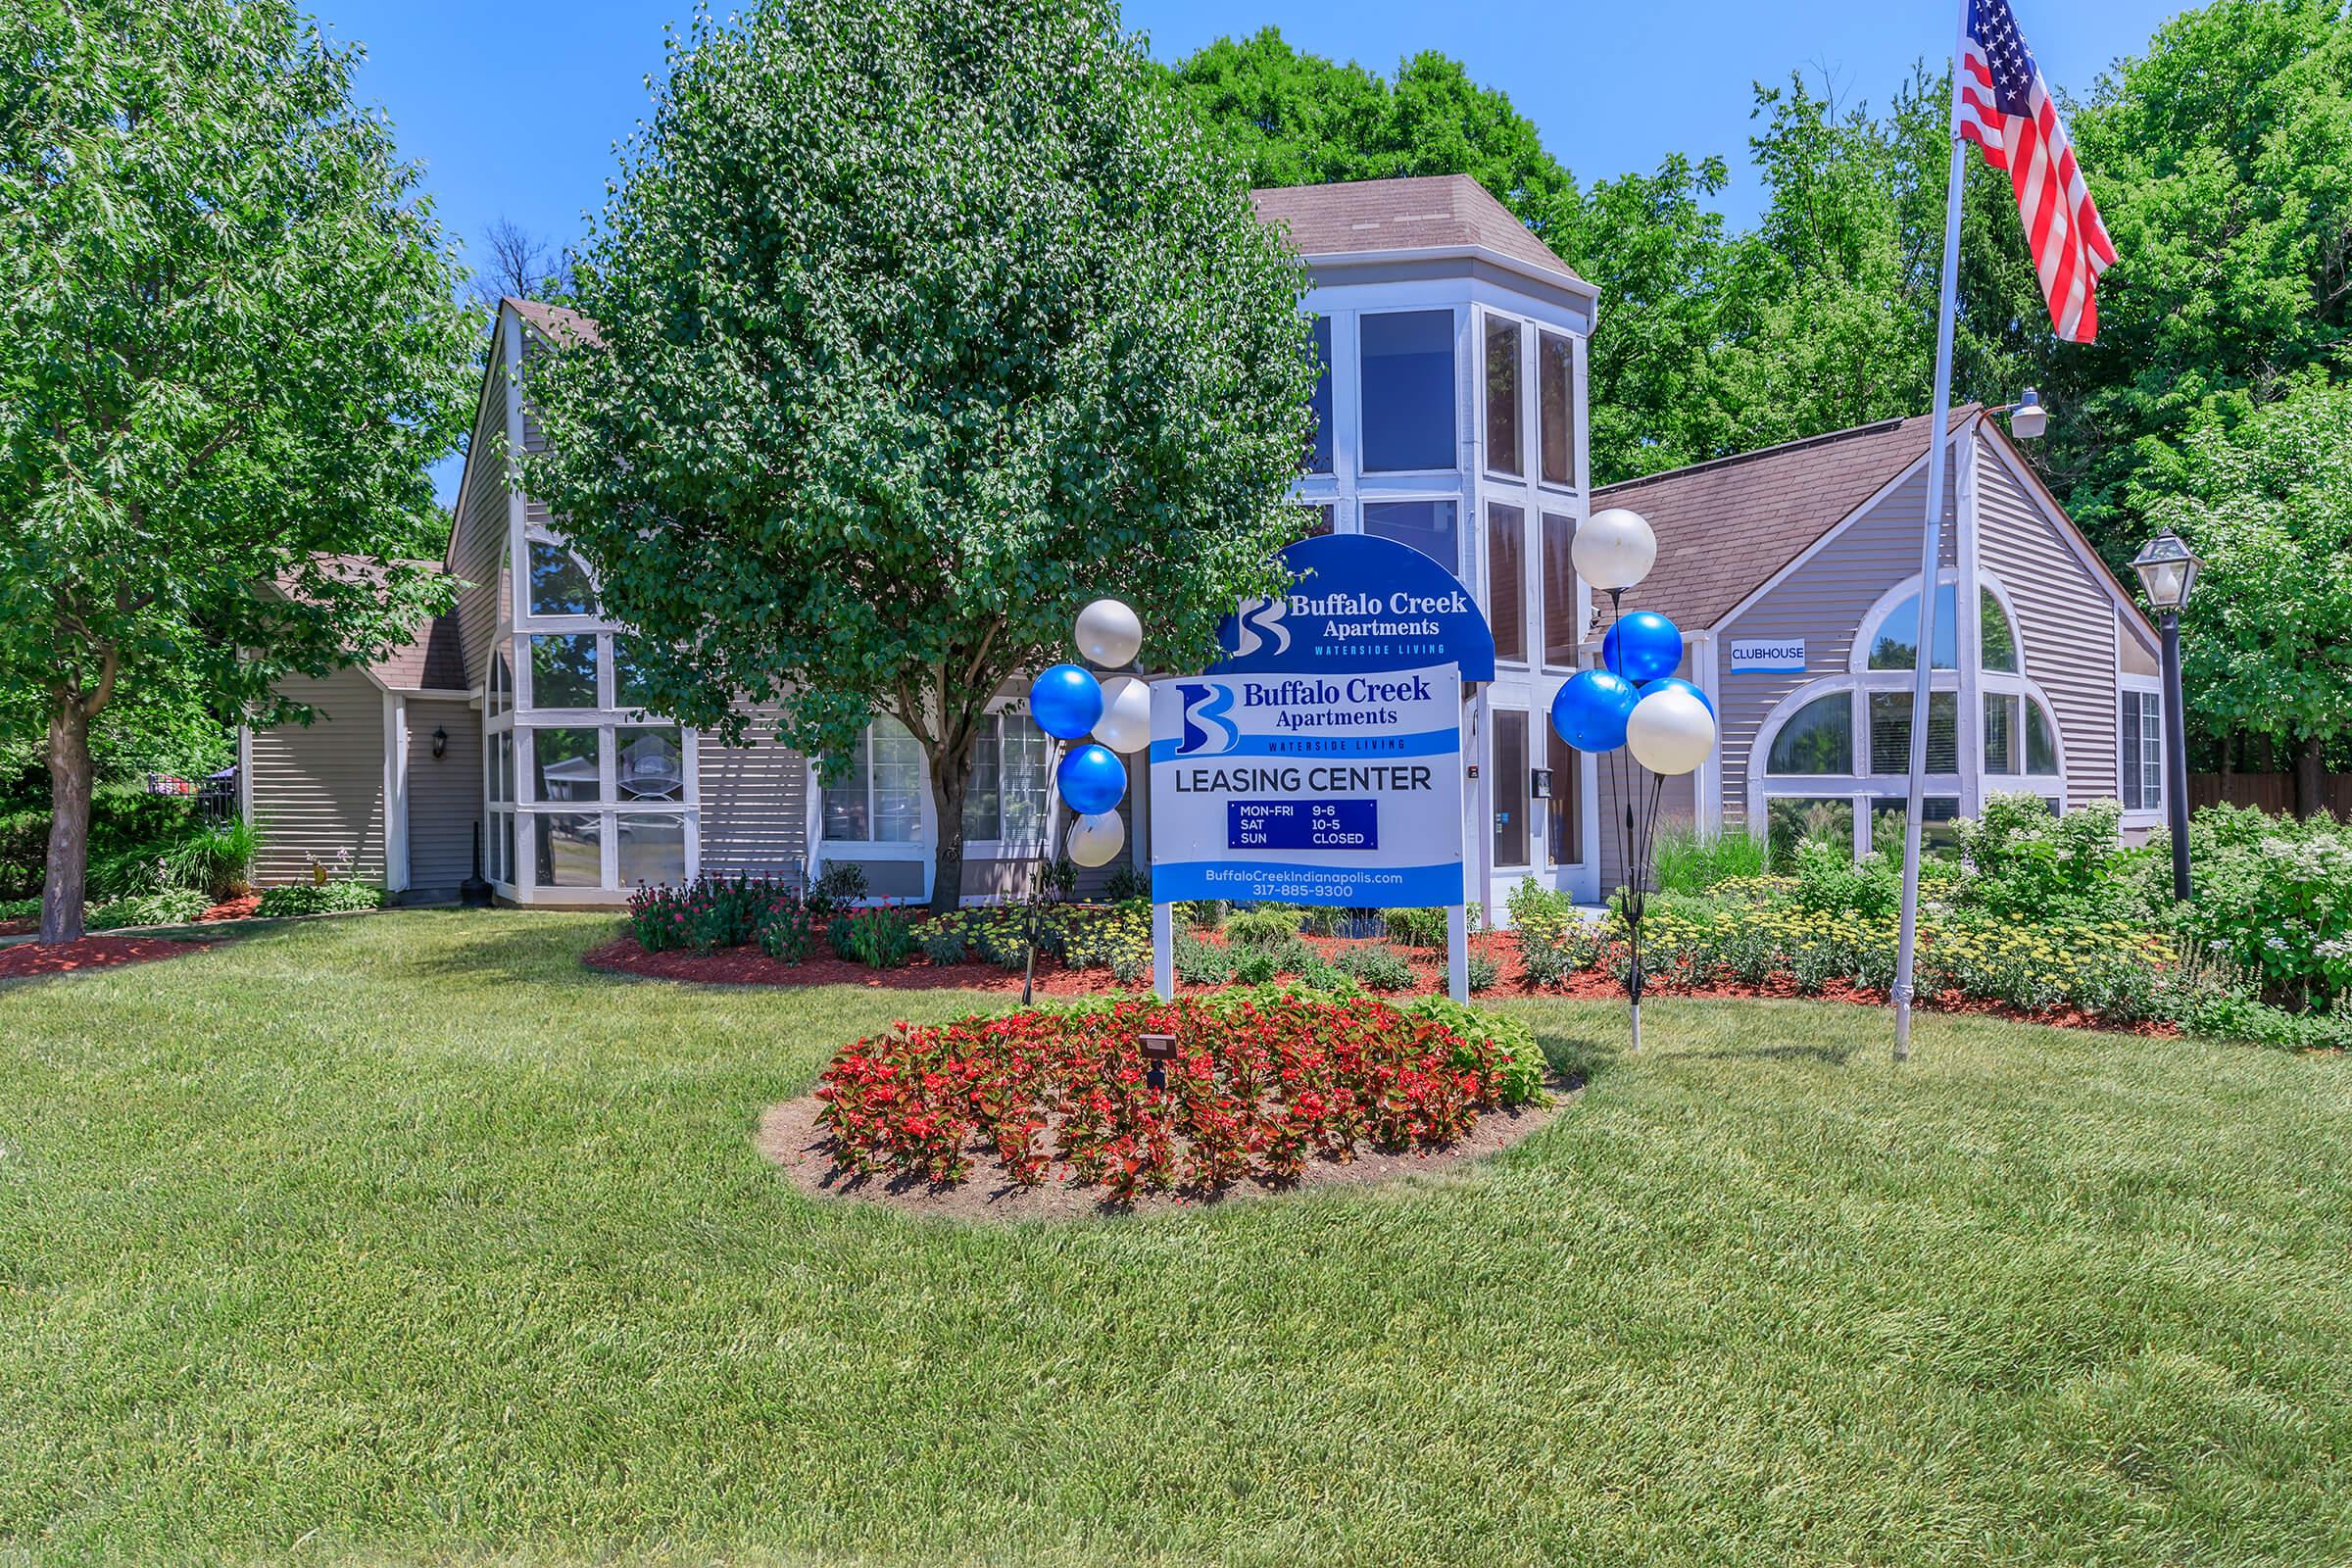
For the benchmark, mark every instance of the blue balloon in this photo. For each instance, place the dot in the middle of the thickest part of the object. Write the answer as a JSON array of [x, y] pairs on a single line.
[[1590, 710], [1679, 685], [1092, 780], [1643, 645], [1066, 702]]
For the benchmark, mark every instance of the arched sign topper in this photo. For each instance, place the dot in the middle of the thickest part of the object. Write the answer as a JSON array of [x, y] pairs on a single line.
[[1359, 604]]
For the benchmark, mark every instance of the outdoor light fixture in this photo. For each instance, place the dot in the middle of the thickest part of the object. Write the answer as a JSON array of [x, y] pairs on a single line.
[[2168, 570], [2029, 419], [440, 741]]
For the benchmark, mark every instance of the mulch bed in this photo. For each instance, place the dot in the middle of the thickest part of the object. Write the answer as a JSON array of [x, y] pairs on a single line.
[[788, 1135], [28, 958], [748, 966], [241, 908]]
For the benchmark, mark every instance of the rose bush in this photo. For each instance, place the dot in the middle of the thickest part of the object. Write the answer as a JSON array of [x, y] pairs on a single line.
[[1262, 1081]]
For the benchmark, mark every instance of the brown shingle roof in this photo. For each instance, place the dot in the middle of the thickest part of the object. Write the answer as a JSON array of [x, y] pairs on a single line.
[[433, 660], [1726, 526], [1435, 213], [559, 323]]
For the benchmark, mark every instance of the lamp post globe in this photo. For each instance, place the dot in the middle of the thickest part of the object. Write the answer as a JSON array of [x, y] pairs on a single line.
[[2168, 575]]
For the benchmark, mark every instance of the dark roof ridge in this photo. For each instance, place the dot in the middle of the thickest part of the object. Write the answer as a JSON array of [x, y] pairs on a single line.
[[1963, 413]]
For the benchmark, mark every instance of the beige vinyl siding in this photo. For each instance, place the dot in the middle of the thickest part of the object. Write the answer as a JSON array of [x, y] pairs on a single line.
[[755, 804], [480, 557], [445, 794], [318, 790], [2066, 622], [1823, 601]]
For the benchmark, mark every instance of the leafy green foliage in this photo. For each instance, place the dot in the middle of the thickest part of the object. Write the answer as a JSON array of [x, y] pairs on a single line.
[[232, 349], [2278, 903], [173, 906], [2263, 495], [1013, 337], [1375, 966], [2026, 862], [319, 898], [1269, 925], [1687, 860], [880, 937]]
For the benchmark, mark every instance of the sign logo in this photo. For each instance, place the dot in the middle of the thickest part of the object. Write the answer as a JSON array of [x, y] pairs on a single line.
[[1204, 711], [1259, 623]]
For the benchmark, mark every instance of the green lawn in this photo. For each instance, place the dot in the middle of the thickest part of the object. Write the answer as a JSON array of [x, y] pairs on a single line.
[[404, 1238]]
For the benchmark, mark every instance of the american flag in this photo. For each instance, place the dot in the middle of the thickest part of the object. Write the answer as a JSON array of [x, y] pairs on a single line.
[[2005, 108]]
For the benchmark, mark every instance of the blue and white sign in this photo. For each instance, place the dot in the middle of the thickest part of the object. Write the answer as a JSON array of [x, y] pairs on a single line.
[[1359, 604], [1338, 788], [1782, 655]]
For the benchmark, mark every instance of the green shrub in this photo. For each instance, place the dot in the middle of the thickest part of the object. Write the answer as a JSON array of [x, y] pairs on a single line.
[[1415, 928], [1523, 1079], [880, 937], [1266, 926], [1254, 967], [1127, 884], [835, 888], [1202, 914], [173, 906], [943, 947], [784, 933], [1831, 881], [14, 910], [320, 898], [1376, 968], [215, 857], [1201, 964], [1687, 860], [2280, 904], [1485, 972], [2023, 860]]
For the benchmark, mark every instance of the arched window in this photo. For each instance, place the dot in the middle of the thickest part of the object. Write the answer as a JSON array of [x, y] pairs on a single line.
[[1817, 739], [1894, 644], [558, 582], [1998, 648]]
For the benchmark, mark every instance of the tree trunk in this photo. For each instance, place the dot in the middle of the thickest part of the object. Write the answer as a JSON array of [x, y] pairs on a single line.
[[951, 775], [67, 883], [2310, 776]]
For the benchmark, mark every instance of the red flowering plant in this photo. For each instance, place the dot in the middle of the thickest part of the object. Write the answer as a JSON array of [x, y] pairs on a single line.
[[1262, 1083]]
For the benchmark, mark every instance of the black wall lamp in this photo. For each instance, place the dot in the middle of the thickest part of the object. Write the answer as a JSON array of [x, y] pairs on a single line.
[[440, 741]]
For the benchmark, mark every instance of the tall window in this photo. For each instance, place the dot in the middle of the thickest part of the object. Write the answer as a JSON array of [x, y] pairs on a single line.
[[1502, 396], [1506, 579], [1511, 787], [648, 762], [558, 582], [1318, 459], [1891, 732], [567, 764], [1426, 525], [1560, 628], [1405, 373], [1556, 382], [628, 683], [2018, 738], [1560, 816], [876, 797], [563, 670], [1997, 638], [2144, 752], [1012, 766]]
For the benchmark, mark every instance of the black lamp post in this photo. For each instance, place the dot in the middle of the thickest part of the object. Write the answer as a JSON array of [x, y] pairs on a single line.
[[2167, 571]]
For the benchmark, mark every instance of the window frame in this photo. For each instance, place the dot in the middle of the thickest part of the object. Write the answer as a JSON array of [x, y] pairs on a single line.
[[1364, 467], [1490, 321], [917, 844], [999, 846]]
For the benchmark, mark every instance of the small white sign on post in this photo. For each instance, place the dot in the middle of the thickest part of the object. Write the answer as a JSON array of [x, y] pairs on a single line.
[[1782, 655]]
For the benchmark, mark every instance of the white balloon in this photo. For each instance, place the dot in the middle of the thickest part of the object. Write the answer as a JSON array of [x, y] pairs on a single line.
[[1097, 839], [1670, 731], [1126, 722], [1614, 548], [1108, 634]]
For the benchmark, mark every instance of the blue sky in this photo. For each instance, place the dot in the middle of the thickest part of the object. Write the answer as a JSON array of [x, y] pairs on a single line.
[[514, 109]]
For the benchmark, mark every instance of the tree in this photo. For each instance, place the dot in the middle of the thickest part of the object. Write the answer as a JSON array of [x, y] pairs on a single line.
[[2264, 494], [920, 323], [231, 350], [518, 263], [2221, 162]]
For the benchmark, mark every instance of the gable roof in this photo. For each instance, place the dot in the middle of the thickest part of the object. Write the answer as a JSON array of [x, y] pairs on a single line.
[[1436, 213], [559, 323], [1725, 527], [434, 660]]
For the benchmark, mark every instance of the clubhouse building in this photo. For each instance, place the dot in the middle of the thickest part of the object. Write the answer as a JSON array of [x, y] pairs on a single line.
[[1450, 418]]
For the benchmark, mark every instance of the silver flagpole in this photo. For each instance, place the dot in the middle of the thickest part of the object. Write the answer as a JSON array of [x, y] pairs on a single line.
[[1938, 436]]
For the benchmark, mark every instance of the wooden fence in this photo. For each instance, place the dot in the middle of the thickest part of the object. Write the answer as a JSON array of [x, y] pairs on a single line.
[[2270, 791]]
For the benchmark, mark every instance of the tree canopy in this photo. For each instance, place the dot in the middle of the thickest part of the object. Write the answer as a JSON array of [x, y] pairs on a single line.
[[231, 349], [921, 323]]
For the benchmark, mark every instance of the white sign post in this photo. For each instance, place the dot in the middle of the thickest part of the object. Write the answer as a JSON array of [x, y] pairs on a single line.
[[1340, 790]]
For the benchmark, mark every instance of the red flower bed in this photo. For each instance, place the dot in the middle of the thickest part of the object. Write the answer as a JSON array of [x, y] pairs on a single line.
[[1257, 1089]]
